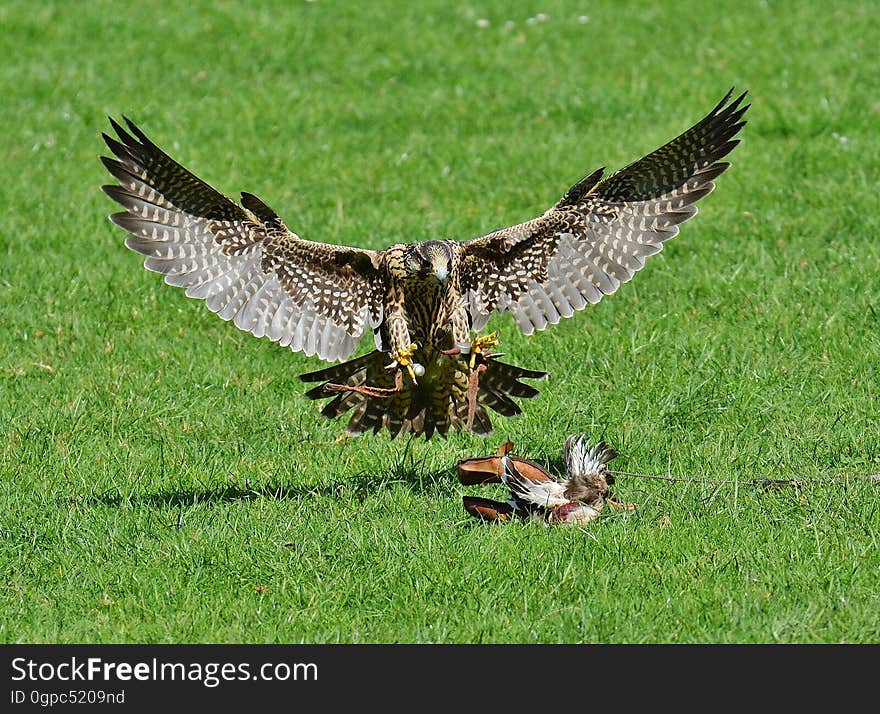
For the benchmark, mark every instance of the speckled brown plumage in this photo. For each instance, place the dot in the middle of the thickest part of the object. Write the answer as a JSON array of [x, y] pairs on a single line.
[[421, 300]]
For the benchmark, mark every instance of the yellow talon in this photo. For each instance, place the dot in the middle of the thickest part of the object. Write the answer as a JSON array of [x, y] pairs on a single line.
[[403, 358], [482, 344]]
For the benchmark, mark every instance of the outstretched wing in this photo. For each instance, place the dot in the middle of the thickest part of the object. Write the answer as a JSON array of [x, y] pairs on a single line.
[[241, 259], [600, 232]]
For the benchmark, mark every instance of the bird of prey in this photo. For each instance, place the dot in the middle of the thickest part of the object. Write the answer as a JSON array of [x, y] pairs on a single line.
[[535, 494], [426, 302]]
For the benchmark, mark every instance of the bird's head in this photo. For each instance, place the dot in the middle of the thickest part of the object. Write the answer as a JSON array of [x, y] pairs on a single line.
[[431, 259]]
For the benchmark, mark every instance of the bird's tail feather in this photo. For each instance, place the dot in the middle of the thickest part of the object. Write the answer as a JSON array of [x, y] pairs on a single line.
[[448, 396]]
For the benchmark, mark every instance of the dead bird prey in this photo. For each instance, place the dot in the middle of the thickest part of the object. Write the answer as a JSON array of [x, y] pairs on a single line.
[[537, 495]]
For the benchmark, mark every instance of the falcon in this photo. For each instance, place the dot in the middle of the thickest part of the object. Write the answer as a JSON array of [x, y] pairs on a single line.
[[426, 302]]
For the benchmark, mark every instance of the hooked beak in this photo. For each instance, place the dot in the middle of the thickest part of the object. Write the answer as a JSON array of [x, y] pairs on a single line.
[[441, 271]]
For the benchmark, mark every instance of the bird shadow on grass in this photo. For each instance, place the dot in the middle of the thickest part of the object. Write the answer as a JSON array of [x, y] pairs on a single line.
[[359, 486]]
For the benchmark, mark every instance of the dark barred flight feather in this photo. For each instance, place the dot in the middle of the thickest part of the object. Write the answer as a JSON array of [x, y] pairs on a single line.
[[438, 402]]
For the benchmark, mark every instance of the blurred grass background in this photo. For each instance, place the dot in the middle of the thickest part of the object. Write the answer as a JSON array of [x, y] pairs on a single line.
[[163, 480]]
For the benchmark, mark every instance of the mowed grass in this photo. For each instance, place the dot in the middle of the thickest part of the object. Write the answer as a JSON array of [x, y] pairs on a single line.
[[164, 480]]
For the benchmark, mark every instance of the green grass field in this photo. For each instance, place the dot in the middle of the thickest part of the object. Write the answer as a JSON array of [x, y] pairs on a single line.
[[162, 477]]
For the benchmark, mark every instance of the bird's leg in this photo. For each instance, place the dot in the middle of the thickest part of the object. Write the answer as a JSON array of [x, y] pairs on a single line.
[[460, 327], [461, 338], [402, 348]]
